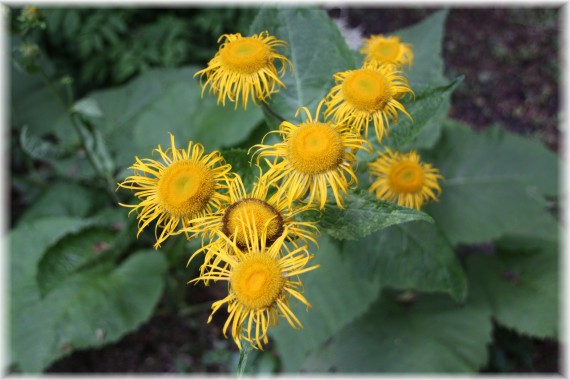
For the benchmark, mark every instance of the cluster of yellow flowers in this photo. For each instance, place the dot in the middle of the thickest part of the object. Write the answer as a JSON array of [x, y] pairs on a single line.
[[252, 240]]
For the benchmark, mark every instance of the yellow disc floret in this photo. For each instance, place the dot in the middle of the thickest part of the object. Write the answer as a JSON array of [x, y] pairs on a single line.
[[406, 177], [185, 188], [387, 50], [315, 148], [261, 213], [403, 178], [257, 280], [246, 55], [366, 90]]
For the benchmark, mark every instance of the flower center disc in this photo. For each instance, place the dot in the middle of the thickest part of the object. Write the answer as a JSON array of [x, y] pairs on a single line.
[[366, 90], [253, 210], [246, 55], [257, 280], [406, 177], [386, 51], [315, 148], [185, 188]]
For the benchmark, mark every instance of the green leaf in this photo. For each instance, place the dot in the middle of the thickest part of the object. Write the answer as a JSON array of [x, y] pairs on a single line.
[[139, 115], [88, 107], [408, 256], [34, 105], [316, 49], [336, 296], [426, 39], [64, 199], [521, 282], [90, 308], [240, 161], [68, 255], [362, 215], [429, 108], [86, 247], [495, 184], [39, 148], [431, 335]]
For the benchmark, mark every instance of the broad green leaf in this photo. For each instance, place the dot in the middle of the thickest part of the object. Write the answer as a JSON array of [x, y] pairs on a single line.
[[336, 296], [430, 335], [316, 49], [521, 282], [49, 320], [362, 215], [88, 108], [426, 39], [39, 148], [97, 307], [494, 184], [33, 104], [138, 116], [64, 199], [408, 256], [27, 244], [86, 247], [430, 107]]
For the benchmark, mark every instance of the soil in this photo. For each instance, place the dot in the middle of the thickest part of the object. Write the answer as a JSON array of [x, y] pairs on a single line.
[[510, 60]]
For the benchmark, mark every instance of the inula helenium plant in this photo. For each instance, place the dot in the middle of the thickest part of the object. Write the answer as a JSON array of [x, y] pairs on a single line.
[[295, 204]]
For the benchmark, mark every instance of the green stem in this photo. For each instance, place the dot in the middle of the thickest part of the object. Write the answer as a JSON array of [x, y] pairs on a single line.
[[110, 183], [272, 113]]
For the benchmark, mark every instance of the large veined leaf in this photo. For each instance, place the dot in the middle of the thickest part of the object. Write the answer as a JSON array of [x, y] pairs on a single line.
[[64, 199], [316, 49], [408, 256], [27, 244], [521, 282], [431, 335], [426, 38], [494, 184], [336, 296], [87, 308], [139, 115], [362, 215]]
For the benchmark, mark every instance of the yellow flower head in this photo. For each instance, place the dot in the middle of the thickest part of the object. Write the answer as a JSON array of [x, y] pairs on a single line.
[[314, 156], [181, 190], [261, 282], [368, 94], [245, 67], [404, 178], [271, 214], [390, 50]]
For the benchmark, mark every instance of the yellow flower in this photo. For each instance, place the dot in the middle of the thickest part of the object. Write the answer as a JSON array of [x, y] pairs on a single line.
[[404, 178], [244, 67], [273, 214], [313, 157], [261, 282], [181, 190], [368, 94], [380, 49]]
